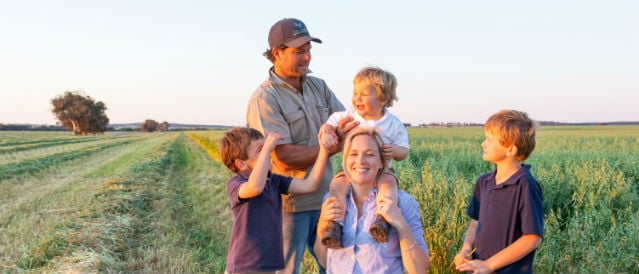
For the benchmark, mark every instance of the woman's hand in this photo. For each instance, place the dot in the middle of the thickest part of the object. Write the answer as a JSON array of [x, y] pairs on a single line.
[[331, 210], [391, 212]]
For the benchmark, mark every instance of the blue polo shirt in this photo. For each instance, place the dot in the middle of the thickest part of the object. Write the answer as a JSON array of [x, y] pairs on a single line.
[[256, 236], [505, 212]]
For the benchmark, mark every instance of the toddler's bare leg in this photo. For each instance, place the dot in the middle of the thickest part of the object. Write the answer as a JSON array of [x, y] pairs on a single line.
[[387, 188], [338, 189]]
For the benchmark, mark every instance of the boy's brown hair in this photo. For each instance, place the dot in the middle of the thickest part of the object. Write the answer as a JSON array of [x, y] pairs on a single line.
[[514, 128], [383, 81], [234, 145]]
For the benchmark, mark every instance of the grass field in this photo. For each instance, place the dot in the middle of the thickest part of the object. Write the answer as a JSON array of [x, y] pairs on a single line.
[[157, 202]]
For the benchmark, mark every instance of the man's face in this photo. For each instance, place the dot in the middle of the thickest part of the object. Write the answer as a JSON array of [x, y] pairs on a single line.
[[293, 62]]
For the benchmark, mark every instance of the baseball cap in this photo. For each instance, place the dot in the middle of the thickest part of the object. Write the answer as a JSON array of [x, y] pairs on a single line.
[[290, 32]]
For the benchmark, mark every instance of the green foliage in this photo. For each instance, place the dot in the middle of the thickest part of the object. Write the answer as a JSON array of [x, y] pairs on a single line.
[[157, 202], [209, 144], [588, 177]]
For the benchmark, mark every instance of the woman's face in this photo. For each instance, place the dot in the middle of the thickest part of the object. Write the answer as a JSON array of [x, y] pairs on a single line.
[[363, 160]]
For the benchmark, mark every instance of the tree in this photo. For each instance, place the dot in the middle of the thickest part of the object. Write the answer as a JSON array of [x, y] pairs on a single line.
[[149, 125], [80, 113], [164, 126]]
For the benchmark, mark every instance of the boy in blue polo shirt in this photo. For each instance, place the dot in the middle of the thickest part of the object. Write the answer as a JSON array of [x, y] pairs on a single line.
[[506, 208]]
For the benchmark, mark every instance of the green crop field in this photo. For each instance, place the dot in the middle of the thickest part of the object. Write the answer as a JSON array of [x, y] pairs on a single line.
[[157, 203]]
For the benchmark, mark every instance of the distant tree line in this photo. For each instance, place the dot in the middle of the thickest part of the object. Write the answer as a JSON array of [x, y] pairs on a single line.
[[541, 123], [26, 127], [151, 125]]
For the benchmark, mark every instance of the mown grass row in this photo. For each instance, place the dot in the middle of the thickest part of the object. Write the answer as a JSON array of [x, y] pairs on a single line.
[[34, 144], [213, 196], [39, 208], [24, 168], [155, 218], [10, 138]]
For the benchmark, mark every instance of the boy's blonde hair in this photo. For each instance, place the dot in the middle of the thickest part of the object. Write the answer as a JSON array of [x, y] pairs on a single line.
[[514, 128], [234, 145], [383, 81]]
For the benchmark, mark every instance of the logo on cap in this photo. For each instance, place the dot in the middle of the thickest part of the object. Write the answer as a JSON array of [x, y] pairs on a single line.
[[300, 29]]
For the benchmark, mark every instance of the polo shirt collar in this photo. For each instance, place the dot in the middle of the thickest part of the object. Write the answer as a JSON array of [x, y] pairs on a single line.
[[513, 180], [279, 82]]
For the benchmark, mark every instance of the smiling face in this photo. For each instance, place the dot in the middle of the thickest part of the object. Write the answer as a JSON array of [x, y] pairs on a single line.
[[362, 159], [292, 62], [367, 102]]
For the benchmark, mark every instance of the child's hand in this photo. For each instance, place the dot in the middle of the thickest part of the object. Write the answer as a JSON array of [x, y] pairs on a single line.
[[460, 259], [328, 137], [463, 257], [388, 151], [476, 266], [271, 140], [344, 126]]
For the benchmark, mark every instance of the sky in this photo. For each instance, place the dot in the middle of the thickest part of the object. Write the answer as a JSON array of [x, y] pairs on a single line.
[[198, 62]]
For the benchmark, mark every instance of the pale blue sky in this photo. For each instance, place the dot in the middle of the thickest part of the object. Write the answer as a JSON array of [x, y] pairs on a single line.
[[199, 61]]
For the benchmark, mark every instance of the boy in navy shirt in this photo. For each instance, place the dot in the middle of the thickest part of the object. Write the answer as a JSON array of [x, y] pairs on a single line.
[[256, 203], [506, 208]]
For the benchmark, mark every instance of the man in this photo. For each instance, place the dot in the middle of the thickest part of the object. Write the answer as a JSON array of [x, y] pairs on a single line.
[[295, 105]]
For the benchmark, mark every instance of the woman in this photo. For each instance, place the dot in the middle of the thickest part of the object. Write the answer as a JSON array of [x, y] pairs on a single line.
[[405, 251]]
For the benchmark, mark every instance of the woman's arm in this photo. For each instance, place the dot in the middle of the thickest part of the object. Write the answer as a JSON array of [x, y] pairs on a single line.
[[330, 209], [414, 258]]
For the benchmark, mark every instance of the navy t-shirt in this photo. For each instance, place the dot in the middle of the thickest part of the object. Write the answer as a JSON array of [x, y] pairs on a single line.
[[504, 213], [256, 236]]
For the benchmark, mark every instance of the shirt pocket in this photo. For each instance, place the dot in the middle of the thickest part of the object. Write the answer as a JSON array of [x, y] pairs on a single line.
[[298, 126], [323, 112]]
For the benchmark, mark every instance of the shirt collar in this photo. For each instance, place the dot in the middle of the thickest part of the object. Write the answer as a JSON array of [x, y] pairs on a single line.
[[279, 82], [513, 180]]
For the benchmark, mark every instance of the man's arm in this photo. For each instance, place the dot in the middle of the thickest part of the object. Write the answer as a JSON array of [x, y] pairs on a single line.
[[312, 181], [301, 157], [295, 157]]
